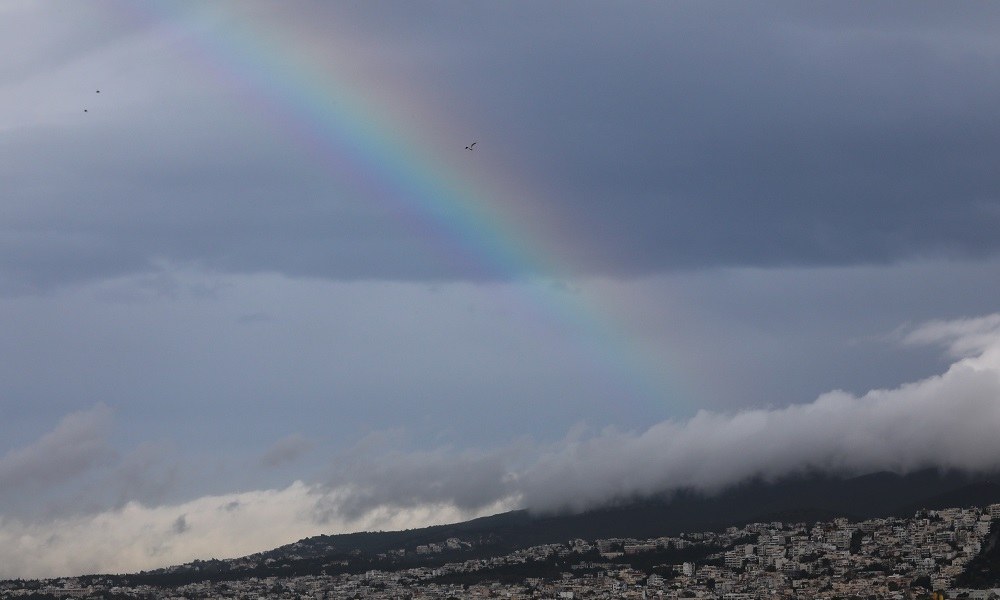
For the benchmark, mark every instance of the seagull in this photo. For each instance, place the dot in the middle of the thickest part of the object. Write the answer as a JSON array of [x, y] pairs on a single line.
[[471, 146]]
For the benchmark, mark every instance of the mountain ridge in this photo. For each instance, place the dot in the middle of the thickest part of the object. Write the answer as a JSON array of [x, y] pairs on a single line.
[[807, 498], [815, 496]]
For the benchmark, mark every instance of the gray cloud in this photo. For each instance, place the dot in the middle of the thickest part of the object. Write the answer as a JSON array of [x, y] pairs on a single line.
[[370, 477], [145, 474], [964, 338], [54, 44], [180, 525], [78, 444], [475, 371], [286, 450]]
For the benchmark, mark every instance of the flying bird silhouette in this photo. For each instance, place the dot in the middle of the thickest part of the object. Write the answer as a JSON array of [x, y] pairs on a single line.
[[98, 91], [471, 146]]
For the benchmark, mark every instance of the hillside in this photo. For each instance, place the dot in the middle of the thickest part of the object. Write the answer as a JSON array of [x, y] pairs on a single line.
[[802, 499]]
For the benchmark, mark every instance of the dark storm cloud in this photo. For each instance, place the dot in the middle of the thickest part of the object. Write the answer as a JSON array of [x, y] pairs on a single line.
[[767, 139], [656, 136], [700, 135]]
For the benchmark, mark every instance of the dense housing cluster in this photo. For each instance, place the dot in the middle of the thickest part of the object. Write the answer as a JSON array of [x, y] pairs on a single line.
[[892, 558]]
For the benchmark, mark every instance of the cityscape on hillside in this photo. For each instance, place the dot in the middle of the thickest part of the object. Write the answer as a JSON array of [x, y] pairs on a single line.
[[933, 554]]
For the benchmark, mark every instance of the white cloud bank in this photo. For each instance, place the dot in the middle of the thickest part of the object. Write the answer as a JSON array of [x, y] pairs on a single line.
[[137, 537], [949, 420]]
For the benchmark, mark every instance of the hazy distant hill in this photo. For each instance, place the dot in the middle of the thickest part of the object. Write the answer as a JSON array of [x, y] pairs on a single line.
[[801, 499]]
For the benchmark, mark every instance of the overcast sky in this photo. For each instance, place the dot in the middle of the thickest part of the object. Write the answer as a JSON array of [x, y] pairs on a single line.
[[254, 287]]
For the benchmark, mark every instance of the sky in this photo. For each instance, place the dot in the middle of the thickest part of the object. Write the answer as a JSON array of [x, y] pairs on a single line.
[[254, 287]]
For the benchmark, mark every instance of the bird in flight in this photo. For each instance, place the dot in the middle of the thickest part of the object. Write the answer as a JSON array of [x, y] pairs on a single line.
[[98, 91], [471, 146]]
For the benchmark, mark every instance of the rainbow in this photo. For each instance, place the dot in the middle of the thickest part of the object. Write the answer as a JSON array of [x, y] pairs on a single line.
[[388, 149]]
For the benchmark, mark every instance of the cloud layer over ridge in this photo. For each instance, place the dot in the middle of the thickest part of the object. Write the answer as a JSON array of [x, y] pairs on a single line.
[[947, 421]]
